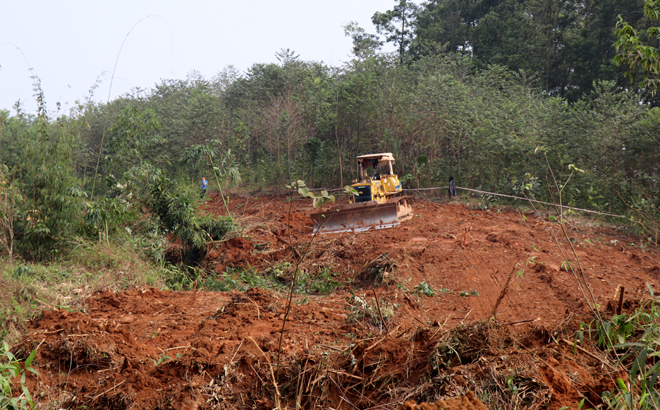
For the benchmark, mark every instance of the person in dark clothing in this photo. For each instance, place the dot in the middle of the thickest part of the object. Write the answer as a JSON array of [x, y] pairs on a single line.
[[204, 184], [452, 187]]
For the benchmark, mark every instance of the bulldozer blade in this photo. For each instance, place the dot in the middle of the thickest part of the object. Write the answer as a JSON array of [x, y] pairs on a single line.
[[362, 216]]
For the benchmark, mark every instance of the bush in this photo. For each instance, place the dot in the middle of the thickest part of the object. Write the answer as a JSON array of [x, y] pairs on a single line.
[[177, 215]]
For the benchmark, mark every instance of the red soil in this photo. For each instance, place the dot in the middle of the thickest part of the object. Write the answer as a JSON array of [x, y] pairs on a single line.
[[467, 402], [147, 348]]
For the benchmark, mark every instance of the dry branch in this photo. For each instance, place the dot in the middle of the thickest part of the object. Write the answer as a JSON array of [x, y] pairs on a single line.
[[379, 312], [583, 350], [622, 290], [272, 375], [503, 292]]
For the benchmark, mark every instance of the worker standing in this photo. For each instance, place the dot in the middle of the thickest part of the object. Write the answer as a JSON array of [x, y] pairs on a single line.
[[204, 184]]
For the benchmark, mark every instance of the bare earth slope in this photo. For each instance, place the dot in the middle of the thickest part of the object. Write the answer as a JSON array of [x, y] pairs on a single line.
[[149, 349]]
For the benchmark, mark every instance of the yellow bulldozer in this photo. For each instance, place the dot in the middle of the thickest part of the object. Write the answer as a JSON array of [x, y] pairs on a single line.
[[377, 201]]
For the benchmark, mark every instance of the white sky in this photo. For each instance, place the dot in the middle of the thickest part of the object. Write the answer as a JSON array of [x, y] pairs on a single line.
[[71, 43]]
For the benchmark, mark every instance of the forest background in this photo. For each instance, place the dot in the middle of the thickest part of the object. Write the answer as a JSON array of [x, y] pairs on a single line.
[[495, 93]]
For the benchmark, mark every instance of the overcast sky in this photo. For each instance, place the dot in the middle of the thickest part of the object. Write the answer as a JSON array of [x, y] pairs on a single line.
[[72, 43]]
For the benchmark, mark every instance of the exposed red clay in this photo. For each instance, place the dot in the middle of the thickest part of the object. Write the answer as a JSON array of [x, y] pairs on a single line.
[[152, 349]]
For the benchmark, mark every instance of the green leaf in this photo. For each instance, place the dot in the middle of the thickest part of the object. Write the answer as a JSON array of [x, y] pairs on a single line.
[[639, 363], [26, 392], [621, 384], [28, 361], [630, 344]]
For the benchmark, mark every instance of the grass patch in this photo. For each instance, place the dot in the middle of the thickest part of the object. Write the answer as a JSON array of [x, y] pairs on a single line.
[[276, 278], [322, 282], [242, 280], [26, 288]]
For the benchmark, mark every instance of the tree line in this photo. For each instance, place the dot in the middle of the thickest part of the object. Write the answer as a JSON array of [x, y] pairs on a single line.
[[448, 102]]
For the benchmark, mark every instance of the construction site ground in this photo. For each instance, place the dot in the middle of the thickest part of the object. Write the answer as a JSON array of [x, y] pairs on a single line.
[[378, 317]]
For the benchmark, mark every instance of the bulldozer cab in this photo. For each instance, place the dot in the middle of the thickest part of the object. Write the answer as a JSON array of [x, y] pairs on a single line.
[[375, 161], [379, 183]]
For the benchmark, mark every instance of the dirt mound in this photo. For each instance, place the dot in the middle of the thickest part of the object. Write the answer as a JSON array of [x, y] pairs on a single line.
[[233, 253], [209, 350], [255, 297], [298, 221], [467, 402]]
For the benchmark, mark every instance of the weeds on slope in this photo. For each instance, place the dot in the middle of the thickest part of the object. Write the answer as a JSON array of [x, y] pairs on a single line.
[[637, 348]]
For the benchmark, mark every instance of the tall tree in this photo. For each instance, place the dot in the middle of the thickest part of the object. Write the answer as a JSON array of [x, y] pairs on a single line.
[[397, 25], [364, 44], [444, 26]]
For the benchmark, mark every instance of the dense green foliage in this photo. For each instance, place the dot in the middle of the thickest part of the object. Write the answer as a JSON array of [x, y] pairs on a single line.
[[565, 44], [494, 93], [638, 52], [55, 196]]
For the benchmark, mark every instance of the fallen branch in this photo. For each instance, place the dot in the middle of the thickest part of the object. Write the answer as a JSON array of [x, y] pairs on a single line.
[[178, 347], [110, 389], [379, 312], [49, 305], [235, 353], [466, 315], [375, 344], [332, 348], [342, 394], [345, 374], [255, 305], [301, 380], [519, 322], [583, 350], [162, 310]]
